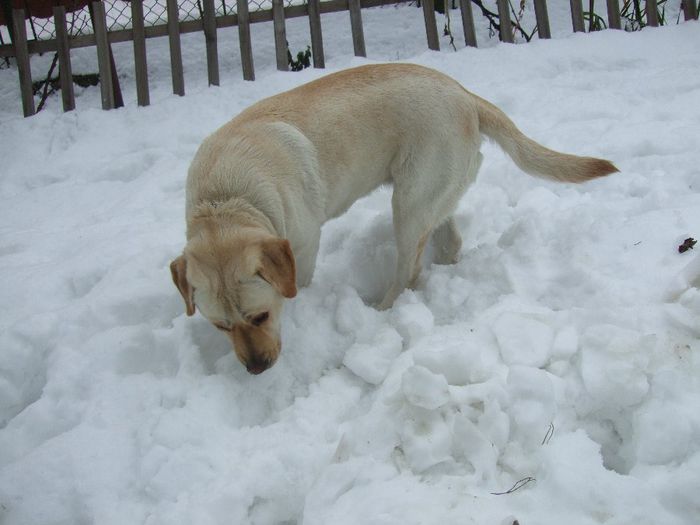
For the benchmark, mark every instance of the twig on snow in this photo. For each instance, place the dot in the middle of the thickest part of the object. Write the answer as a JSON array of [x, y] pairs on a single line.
[[549, 434], [518, 485]]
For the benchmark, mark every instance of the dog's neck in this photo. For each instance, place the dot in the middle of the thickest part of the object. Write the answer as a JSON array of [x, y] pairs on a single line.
[[235, 212]]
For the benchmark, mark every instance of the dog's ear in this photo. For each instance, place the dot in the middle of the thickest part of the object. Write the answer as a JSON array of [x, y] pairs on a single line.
[[277, 266], [178, 269]]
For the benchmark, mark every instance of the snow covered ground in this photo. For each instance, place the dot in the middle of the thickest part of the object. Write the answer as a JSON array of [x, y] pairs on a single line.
[[561, 352]]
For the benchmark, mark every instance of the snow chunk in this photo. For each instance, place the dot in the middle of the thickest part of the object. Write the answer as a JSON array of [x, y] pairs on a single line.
[[354, 317], [613, 365], [460, 364], [371, 362], [662, 433], [684, 295], [565, 343], [424, 389], [532, 403], [426, 439], [688, 277], [665, 429], [472, 444], [523, 340], [412, 320]]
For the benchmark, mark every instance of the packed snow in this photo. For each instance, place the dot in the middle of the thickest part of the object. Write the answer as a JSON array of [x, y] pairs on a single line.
[[549, 377]]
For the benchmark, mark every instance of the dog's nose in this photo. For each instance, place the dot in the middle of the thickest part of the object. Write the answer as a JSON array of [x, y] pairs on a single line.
[[258, 366]]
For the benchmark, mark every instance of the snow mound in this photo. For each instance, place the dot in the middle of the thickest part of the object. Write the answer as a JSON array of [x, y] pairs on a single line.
[[549, 377]]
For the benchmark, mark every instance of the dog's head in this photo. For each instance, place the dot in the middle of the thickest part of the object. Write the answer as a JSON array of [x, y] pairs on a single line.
[[239, 280]]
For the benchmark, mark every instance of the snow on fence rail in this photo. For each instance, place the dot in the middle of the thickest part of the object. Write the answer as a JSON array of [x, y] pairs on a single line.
[[114, 21]]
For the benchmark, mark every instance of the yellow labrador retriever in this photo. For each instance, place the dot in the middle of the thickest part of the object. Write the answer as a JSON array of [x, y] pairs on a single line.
[[259, 188]]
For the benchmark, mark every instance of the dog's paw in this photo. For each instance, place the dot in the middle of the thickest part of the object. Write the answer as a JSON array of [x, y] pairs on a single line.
[[445, 257], [383, 306], [387, 302]]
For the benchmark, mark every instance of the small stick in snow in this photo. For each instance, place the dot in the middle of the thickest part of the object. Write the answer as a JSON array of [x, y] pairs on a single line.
[[549, 434], [518, 485]]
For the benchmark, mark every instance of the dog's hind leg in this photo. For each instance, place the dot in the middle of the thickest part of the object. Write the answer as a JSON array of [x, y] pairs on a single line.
[[420, 203], [446, 238], [418, 206], [447, 242]]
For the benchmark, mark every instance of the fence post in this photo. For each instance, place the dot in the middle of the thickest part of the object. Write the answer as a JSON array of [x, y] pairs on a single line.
[[103, 63], [465, 6], [614, 15], [652, 13], [23, 66], [506, 28], [431, 25], [358, 34], [209, 23], [140, 64], [316, 34], [6, 10], [542, 19], [175, 48], [65, 72], [244, 40], [577, 16], [690, 10], [280, 35]]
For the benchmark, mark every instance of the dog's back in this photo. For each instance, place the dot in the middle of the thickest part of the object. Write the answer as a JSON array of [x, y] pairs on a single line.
[[367, 121]]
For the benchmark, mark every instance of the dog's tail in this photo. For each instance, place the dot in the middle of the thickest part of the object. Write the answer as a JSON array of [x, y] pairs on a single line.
[[532, 157]]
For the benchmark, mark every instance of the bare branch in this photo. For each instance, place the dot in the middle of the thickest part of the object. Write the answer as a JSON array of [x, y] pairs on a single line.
[[518, 485], [549, 434]]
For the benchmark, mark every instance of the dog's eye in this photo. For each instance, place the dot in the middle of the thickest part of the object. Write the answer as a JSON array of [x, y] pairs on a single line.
[[222, 328], [260, 319]]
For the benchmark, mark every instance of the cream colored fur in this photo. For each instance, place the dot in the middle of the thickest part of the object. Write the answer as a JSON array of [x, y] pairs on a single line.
[[289, 163]]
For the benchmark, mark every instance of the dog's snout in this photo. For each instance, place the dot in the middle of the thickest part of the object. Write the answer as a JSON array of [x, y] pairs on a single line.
[[255, 348], [258, 366]]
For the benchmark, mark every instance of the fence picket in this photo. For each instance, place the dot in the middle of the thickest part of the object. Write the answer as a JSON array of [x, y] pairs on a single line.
[[280, 35], [103, 62], [210, 38], [23, 65], [431, 25], [175, 48], [542, 19], [244, 40], [465, 6], [65, 72], [614, 15], [316, 34], [506, 28], [652, 13], [358, 34], [143, 97], [21, 48], [577, 16]]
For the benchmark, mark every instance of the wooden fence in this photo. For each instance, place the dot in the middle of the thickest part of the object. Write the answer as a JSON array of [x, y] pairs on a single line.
[[209, 22]]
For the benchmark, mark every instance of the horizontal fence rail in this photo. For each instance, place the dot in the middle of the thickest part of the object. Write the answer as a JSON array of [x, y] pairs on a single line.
[[102, 23]]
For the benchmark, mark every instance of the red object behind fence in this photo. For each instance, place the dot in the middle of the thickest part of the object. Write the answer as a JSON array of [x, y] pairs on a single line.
[[41, 8]]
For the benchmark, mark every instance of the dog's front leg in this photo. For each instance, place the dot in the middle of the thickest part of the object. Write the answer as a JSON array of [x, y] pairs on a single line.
[[305, 259], [408, 267], [413, 219], [305, 273]]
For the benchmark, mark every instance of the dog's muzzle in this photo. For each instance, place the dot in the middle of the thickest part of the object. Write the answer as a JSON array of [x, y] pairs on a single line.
[[258, 366]]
